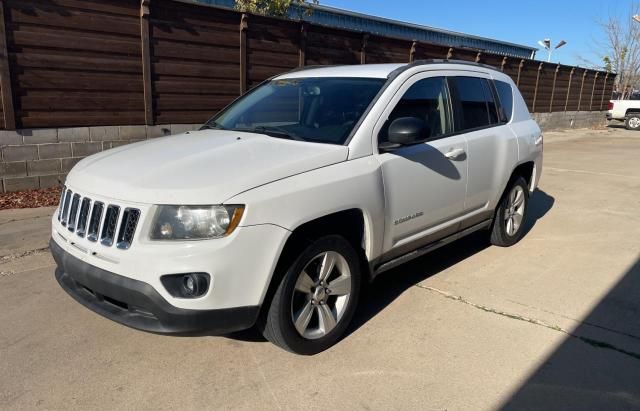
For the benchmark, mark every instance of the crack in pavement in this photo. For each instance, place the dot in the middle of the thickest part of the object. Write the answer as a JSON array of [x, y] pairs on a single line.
[[11, 257], [592, 342]]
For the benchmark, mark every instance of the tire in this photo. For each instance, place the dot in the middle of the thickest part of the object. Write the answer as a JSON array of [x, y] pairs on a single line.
[[632, 121], [290, 303], [508, 223]]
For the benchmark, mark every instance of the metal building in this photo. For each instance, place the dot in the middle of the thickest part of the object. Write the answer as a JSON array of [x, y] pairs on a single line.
[[333, 17]]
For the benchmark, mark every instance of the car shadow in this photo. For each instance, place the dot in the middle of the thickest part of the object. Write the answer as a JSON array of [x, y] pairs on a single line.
[[390, 285]]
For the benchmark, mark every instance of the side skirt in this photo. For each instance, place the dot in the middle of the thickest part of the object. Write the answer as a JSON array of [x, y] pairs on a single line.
[[428, 248]]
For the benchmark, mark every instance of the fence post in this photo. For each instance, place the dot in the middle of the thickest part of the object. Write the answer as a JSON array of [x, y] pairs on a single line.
[[412, 52], [535, 91], [519, 71], [593, 90], [584, 76], [566, 103], [244, 26], [604, 89], [450, 53], [363, 48], [478, 57], [302, 45], [504, 63], [5, 76], [146, 62], [553, 88]]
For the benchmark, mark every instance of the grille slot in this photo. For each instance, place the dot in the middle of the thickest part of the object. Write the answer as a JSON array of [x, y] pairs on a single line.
[[94, 222], [65, 209], [109, 226], [61, 202], [73, 213], [127, 228], [83, 217]]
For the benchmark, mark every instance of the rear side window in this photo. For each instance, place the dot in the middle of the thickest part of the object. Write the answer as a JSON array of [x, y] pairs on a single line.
[[474, 102], [505, 94]]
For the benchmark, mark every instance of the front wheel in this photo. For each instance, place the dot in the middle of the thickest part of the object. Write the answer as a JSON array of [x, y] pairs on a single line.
[[632, 122], [508, 223], [316, 299]]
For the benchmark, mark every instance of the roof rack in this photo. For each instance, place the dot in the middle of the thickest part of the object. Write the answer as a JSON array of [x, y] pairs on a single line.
[[423, 62]]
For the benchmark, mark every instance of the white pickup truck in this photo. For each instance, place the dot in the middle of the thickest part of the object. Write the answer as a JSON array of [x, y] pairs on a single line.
[[278, 210], [625, 110]]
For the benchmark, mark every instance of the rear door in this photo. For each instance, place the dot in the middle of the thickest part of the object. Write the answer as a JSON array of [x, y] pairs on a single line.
[[477, 116]]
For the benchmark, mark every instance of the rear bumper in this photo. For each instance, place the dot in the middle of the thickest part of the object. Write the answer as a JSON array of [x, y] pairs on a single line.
[[609, 117], [138, 305]]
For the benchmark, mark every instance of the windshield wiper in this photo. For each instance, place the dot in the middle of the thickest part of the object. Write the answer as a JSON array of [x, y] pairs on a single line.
[[273, 131], [212, 125]]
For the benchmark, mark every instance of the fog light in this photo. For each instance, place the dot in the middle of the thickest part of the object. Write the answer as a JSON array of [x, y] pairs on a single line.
[[190, 285]]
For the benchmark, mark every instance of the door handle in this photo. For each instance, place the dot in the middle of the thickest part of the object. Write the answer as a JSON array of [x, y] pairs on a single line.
[[455, 153]]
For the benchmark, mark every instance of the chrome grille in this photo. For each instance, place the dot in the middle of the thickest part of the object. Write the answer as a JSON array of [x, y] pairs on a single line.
[[73, 212], [65, 208], [130, 219], [109, 226], [95, 220], [83, 217]]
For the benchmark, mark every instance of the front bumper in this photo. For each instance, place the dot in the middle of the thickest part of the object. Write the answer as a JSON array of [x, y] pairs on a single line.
[[138, 305]]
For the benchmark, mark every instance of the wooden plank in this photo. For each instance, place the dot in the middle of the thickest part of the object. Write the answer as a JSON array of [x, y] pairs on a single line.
[[122, 7], [228, 71], [64, 17], [35, 119], [44, 38], [52, 79], [6, 87], [42, 59], [71, 101], [146, 62], [244, 25], [195, 86], [187, 117], [197, 52]]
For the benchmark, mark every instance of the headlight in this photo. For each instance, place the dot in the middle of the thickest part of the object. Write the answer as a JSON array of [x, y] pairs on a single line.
[[172, 222]]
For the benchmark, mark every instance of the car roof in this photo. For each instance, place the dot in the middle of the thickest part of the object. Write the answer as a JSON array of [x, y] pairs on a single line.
[[381, 71]]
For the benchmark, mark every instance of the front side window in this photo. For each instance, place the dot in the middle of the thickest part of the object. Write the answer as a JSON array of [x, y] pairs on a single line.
[[427, 99], [474, 102], [323, 110]]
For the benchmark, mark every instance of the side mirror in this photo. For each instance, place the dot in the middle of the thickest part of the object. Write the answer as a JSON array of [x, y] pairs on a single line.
[[407, 130]]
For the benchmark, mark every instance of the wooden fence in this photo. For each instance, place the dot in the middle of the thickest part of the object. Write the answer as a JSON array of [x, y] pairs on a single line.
[[115, 62]]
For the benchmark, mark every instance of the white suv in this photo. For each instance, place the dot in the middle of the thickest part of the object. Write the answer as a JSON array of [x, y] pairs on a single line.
[[278, 210]]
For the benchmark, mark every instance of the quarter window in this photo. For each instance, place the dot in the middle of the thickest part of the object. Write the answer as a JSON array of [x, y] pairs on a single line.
[[427, 99], [474, 102], [505, 93]]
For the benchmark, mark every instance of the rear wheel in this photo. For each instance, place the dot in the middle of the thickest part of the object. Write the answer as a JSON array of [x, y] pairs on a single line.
[[316, 299], [508, 224], [632, 121]]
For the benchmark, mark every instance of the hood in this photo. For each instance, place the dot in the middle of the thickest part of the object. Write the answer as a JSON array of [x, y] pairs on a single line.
[[201, 167]]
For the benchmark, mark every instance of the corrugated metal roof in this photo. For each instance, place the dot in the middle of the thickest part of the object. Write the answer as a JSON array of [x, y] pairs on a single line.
[[330, 16]]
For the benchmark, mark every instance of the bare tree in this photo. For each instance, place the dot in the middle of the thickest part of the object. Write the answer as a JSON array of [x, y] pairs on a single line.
[[618, 47]]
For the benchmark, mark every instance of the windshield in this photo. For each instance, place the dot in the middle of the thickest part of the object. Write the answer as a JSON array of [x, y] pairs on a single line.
[[322, 110]]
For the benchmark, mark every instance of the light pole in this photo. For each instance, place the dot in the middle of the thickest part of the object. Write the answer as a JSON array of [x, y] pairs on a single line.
[[546, 44]]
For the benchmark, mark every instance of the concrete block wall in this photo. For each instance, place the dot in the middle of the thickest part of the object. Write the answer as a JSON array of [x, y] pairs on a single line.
[[570, 119], [41, 158]]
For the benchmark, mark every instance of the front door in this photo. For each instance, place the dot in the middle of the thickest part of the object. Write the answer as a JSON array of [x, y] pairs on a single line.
[[424, 183]]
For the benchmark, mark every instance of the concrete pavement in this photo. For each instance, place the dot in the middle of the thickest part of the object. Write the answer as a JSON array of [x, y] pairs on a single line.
[[552, 322]]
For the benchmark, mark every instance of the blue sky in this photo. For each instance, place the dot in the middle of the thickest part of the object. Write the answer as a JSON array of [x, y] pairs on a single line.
[[517, 21]]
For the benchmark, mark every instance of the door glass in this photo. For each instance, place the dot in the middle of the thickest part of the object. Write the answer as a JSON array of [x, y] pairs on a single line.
[[506, 98], [472, 99], [427, 100]]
